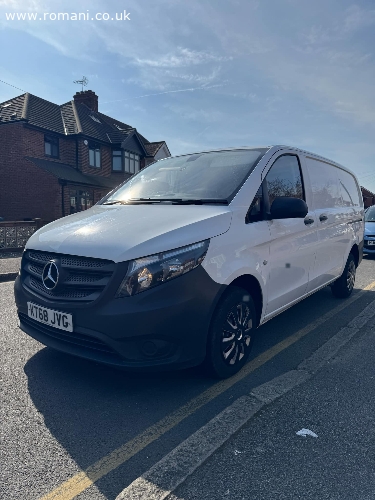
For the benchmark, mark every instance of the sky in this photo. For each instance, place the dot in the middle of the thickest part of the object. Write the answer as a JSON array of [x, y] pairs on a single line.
[[208, 73]]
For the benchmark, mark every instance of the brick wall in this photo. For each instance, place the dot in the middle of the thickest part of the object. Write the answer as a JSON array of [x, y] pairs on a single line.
[[34, 146], [105, 169], [25, 189], [106, 163]]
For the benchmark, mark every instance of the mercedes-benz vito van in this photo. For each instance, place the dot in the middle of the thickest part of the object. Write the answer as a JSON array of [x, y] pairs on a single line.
[[182, 262]]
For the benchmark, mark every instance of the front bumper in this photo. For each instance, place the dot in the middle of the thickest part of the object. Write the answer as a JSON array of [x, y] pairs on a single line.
[[164, 327]]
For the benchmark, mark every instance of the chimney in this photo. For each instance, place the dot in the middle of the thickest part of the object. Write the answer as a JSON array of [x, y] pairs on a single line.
[[87, 97]]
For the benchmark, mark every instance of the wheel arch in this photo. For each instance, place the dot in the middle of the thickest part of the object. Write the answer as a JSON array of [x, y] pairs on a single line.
[[251, 285], [355, 252]]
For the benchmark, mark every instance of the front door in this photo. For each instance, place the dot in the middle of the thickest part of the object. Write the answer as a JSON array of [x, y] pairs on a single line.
[[293, 241]]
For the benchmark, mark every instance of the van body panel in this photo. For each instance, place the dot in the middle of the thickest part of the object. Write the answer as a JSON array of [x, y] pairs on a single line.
[[336, 234], [244, 251], [292, 256], [120, 233]]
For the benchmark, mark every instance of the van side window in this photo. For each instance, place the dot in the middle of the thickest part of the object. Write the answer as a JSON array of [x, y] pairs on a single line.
[[349, 190], [284, 179], [256, 212], [324, 178]]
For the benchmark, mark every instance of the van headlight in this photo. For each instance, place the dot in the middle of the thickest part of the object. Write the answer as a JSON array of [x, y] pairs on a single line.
[[154, 270]]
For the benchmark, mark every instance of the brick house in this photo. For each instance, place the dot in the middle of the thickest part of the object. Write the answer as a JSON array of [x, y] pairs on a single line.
[[59, 159], [368, 197]]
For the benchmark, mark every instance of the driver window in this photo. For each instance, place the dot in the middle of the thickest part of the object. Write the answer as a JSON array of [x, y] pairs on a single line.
[[284, 179]]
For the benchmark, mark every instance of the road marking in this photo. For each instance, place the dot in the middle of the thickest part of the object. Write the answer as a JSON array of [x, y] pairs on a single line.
[[84, 479]]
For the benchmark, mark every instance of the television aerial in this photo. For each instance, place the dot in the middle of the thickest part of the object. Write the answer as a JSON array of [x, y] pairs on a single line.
[[82, 82]]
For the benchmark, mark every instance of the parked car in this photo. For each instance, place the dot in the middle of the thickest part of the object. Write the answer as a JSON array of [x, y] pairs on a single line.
[[181, 263], [369, 243]]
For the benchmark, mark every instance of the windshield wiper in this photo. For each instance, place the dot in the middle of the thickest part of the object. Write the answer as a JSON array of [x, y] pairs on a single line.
[[129, 201], [202, 201], [180, 201], [114, 202], [175, 201]]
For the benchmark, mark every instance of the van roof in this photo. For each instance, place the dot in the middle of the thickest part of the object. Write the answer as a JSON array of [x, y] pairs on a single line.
[[270, 150]]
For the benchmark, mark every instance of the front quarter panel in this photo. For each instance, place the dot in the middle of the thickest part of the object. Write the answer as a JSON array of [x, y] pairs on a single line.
[[243, 250]]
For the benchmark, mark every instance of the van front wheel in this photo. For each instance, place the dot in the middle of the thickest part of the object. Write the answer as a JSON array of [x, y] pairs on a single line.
[[231, 335], [343, 286]]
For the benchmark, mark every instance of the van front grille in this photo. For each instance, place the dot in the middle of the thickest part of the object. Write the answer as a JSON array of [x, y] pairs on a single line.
[[66, 293], [80, 278]]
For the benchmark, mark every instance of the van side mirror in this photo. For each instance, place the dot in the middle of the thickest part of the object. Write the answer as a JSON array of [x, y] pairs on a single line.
[[284, 207]]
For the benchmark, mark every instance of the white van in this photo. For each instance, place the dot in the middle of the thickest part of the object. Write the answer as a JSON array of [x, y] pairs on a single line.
[[181, 263]]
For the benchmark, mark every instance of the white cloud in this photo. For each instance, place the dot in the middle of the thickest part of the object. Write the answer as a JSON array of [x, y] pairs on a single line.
[[189, 113], [21, 5], [182, 57]]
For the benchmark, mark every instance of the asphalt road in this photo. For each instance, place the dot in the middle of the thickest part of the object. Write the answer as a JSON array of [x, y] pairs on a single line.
[[60, 415]]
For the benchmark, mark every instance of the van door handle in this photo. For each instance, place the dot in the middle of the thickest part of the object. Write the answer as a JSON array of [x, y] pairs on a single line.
[[323, 217], [308, 221]]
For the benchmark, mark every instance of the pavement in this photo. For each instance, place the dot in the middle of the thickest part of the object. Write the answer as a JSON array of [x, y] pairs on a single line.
[[75, 429], [9, 266]]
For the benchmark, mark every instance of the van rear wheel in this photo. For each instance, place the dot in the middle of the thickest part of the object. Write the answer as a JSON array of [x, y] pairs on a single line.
[[343, 286], [231, 334]]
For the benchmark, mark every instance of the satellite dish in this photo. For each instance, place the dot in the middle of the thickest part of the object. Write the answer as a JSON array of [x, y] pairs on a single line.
[[85, 142]]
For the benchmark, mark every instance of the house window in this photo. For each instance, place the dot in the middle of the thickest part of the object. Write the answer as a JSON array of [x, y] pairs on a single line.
[[117, 160], [51, 146], [80, 200], [131, 162], [94, 155]]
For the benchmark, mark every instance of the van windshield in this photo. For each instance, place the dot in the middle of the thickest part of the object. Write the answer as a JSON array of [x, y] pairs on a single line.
[[370, 214], [205, 177]]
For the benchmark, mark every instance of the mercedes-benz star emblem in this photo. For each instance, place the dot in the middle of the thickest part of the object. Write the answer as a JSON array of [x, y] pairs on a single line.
[[50, 275]]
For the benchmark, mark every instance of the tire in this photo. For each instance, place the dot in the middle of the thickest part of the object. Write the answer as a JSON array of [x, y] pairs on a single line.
[[343, 286], [228, 346]]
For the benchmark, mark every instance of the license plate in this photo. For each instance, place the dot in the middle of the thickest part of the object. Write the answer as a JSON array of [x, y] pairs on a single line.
[[371, 242], [49, 317]]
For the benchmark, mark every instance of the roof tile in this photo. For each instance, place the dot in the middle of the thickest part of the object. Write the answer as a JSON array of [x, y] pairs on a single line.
[[153, 147], [71, 118], [12, 110]]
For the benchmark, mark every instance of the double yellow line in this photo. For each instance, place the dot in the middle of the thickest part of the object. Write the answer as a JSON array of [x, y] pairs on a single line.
[[83, 480]]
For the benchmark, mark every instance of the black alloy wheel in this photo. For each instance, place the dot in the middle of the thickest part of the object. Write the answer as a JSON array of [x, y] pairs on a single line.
[[344, 285], [231, 335]]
